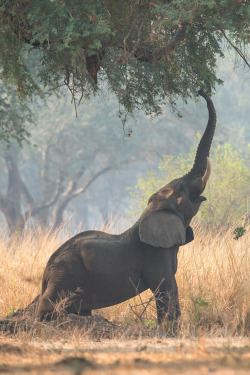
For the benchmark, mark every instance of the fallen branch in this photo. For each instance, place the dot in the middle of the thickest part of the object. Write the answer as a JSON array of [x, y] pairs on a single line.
[[144, 304]]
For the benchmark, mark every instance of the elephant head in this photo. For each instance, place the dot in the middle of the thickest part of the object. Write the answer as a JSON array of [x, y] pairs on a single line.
[[165, 222]]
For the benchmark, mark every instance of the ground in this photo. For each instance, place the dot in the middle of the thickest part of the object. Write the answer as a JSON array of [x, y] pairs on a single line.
[[155, 355]]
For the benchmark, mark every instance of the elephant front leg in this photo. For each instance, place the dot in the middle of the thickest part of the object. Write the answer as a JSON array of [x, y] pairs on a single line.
[[167, 301]]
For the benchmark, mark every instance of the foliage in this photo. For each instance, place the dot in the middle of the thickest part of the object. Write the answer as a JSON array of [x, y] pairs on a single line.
[[150, 52], [12, 312], [227, 190], [197, 307], [239, 232], [15, 115]]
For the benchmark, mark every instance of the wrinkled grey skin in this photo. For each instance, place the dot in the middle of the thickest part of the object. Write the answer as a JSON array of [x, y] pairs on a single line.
[[97, 269]]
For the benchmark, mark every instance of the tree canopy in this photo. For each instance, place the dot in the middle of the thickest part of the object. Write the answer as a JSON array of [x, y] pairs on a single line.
[[148, 52]]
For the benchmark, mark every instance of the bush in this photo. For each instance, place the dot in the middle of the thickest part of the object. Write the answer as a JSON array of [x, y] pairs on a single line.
[[227, 190]]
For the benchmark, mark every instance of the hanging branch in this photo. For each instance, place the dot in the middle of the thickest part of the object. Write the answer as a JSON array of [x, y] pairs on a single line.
[[240, 53]]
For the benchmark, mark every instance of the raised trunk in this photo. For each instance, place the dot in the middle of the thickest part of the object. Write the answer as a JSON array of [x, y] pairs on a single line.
[[200, 163]]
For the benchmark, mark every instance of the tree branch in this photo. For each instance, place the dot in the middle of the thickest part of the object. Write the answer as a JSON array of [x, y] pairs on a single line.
[[2, 202], [85, 187], [71, 193], [142, 54], [35, 210], [143, 304], [26, 194], [240, 53], [72, 185], [150, 57]]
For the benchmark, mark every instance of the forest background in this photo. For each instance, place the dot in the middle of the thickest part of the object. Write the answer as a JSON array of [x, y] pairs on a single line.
[[84, 169]]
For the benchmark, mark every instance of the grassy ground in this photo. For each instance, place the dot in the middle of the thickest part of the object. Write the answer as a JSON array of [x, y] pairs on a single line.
[[213, 278]]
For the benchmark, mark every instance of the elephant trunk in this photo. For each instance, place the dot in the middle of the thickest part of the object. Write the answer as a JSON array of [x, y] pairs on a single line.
[[202, 165]]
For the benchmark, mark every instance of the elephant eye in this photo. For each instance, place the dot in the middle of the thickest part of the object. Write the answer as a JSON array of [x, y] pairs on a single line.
[[193, 197], [181, 188]]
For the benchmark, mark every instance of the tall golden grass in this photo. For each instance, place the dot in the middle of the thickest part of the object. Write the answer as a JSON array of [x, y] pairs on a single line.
[[213, 278]]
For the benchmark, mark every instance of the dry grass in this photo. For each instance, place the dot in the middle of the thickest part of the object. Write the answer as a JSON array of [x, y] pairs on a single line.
[[214, 283], [213, 278]]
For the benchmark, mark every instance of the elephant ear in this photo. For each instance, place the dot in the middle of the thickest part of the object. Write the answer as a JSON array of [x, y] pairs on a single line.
[[162, 229], [189, 235]]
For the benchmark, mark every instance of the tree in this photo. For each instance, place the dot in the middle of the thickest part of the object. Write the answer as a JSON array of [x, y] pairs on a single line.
[[59, 170], [57, 186], [15, 115], [149, 52], [10, 201]]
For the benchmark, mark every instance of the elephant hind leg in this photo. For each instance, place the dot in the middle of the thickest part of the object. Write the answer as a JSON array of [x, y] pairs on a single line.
[[53, 304], [45, 308]]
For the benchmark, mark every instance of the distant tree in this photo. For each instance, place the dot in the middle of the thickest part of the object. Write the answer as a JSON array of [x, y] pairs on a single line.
[[15, 115], [10, 199], [59, 184], [69, 155], [148, 52], [60, 173]]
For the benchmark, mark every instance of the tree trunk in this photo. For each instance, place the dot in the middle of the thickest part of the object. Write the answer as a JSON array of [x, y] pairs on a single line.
[[70, 193], [47, 187], [10, 203]]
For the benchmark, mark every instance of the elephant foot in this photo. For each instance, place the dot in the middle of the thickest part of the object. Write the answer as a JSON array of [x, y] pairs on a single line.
[[87, 312], [168, 328]]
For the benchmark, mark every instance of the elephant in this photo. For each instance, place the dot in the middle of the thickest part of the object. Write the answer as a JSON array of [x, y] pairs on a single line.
[[96, 269]]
